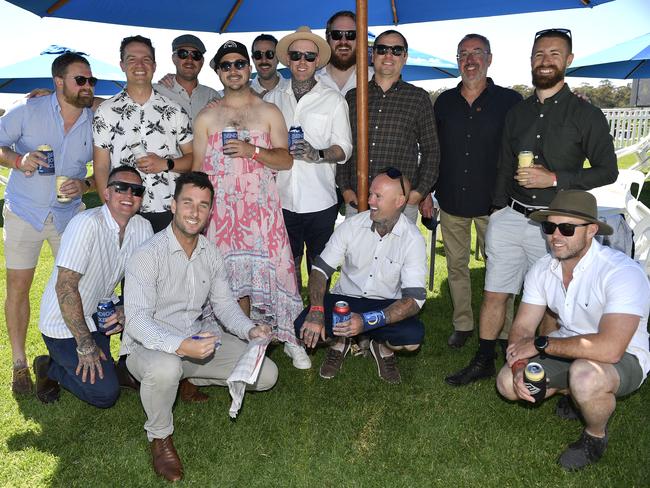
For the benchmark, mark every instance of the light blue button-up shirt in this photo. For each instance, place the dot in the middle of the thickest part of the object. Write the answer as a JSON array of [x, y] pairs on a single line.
[[28, 125]]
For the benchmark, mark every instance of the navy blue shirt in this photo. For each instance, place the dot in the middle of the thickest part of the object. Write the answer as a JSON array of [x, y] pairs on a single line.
[[470, 138]]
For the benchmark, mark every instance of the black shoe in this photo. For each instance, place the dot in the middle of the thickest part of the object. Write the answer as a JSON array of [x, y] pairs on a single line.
[[47, 390], [585, 451], [565, 409], [503, 345], [480, 367], [458, 338], [124, 378]]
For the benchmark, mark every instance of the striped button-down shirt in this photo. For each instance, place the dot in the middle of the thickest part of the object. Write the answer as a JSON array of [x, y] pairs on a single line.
[[91, 247], [165, 292]]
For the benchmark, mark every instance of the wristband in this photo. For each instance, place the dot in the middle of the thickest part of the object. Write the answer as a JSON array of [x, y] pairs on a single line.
[[18, 163], [519, 363], [554, 180], [373, 320], [256, 153], [317, 308]]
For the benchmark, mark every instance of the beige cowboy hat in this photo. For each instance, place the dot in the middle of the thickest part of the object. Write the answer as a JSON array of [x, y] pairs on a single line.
[[574, 203], [303, 33]]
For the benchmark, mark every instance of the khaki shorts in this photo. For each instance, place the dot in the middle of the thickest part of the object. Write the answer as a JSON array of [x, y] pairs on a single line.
[[23, 243]]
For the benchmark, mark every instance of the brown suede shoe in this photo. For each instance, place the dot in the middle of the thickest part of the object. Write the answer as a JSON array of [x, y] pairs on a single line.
[[190, 393], [21, 381], [166, 462]]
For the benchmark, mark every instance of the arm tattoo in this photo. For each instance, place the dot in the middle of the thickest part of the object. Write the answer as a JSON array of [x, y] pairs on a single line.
[[317, 287], [401, 309], [67, 292]]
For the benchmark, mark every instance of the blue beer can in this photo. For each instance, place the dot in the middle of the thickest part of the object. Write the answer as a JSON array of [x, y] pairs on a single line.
[[341, 313], [227, 134], [49, 154], [105, 308], [295, 134]]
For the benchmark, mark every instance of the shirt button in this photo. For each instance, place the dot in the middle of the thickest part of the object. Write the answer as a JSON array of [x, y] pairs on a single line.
[[465, 171], [365, 292], [470, 117], [468, 136], [536, 156], [538, 136], [463, 188], [541, 115], [375, 257], [534, 197], [376, 127], [371, 276], [373, 143], [466, 154], [379, 110]]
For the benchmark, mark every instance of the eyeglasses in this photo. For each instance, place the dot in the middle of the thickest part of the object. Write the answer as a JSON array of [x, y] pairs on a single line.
[[309, 56], [463, 55], [123, 187], [382, 49], [337, 35], [82, 80], [566, 229], [185, 53], [239, 65], [269, 54], [566, 32], [393, 174]]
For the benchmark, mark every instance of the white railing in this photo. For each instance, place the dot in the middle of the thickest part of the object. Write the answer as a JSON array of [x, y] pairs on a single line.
[[627, 125]]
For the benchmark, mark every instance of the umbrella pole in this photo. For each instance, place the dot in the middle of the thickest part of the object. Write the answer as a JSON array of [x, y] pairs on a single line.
[[362, 104]]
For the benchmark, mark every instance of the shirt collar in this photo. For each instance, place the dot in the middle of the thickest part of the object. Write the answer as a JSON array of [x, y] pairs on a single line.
[[560, 96], [110, 221], [398, 229], [585, 262], [393, 87], [175, 246]]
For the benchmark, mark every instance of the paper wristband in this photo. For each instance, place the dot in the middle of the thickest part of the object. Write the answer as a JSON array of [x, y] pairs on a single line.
[[373, 320]]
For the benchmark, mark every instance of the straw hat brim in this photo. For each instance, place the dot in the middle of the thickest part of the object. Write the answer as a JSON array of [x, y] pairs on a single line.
[[303, 33]]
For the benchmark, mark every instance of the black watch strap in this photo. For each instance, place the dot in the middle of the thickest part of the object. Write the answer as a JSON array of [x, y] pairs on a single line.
[[170, 164], [321, 154]]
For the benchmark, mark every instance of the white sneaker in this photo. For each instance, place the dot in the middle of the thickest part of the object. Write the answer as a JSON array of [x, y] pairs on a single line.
[[298, 354]]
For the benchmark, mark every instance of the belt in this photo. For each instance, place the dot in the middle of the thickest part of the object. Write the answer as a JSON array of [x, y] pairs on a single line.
[[522, 209]]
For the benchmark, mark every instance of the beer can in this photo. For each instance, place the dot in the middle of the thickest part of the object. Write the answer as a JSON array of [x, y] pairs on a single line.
[[60, 197], [49, 154], [535, 381], [341, 313], [105, 308], [295, 134], [227, 134], [525, 159]]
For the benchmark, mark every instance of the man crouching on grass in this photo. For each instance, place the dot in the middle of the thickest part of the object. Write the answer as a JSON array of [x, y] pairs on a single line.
[[600, 350]]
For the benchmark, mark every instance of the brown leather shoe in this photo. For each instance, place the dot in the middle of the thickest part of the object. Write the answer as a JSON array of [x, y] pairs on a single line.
[[21, 381], [166, 462], [124, 378], [47, 390], [190, 393]]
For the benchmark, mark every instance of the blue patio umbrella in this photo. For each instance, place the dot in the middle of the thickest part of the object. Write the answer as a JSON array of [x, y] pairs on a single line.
[[628, 60], [36, 72], [265, 15]]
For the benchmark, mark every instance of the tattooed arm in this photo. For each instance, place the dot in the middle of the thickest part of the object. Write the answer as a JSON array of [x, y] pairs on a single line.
[[67, 292], [401, 309], [314, 325]]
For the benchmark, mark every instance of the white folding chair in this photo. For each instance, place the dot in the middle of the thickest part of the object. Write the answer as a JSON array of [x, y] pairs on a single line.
[[636, 212]]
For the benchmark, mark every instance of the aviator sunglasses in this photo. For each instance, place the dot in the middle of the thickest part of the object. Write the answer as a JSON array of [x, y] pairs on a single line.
[[309, 56], [269, 54], [123, 187], [185, 53], [81, 80], [349, 35], [566, 229], [393, 174], [239, 65], [382, 49]]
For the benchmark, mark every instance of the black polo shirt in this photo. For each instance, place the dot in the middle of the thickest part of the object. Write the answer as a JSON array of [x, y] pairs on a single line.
[[470, 138], [562, 132]]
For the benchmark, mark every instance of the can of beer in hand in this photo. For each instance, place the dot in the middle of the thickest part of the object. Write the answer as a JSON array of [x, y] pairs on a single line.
[[525, 159], [49, 154], [60, 197], [105, 308], [227, 134], [535, 381], [295, 134], [341, 313]]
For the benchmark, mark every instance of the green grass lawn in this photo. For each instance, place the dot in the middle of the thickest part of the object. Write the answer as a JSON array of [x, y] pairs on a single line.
[[354, 430]]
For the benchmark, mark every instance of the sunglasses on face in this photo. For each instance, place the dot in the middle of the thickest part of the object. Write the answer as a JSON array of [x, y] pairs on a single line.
[[337, 35], [185, 53], [463, 55], [566, 229], [82, 80], [257, 55], [124, 187], [382, 49], [393, 174], [239, 65], [309, 56]]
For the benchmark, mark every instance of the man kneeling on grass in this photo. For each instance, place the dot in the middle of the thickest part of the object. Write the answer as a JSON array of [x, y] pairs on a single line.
[[600, 350], [383, 261]]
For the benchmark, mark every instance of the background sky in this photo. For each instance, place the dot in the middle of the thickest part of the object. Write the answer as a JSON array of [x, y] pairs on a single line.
[[25, 35]]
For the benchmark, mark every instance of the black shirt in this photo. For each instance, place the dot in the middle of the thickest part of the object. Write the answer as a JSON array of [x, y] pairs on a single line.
[[562, 132], [470, 138]]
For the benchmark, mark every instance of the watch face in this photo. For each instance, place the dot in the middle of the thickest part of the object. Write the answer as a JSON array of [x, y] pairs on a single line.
[[541, 343]]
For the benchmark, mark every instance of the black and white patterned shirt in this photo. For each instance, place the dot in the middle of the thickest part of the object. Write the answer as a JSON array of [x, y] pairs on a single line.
[[160, 125]]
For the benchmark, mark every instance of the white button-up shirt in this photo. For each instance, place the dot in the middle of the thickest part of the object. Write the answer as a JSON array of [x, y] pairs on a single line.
[[324, 117], [388, 267], [192, 104], [258, 88], [91, 247], [604, 281], [323, 75]]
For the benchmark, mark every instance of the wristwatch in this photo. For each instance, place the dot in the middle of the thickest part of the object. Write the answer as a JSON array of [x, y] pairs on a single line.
[[541, 343], [321, 154], [170, 164]]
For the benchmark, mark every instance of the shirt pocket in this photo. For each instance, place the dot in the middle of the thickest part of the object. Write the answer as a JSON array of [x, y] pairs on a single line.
[[390, 271]]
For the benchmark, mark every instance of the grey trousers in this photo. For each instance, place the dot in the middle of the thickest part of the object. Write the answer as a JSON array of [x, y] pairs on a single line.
[[159, 374]]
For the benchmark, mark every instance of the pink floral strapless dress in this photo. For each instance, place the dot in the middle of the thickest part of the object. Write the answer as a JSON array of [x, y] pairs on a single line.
[[247, 226]]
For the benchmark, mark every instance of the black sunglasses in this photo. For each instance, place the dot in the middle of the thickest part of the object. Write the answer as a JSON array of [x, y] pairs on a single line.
[[382, 49], [393, 174], [309, 56], [566, 229], [184, 53], [240, 64], [566, 32], [123, 187], [269, 54], [337, 35], [81, 80]]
